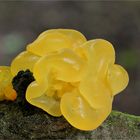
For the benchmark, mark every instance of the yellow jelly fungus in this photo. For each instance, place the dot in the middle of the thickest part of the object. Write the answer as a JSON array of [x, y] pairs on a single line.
[[47, 41], [25, 60], [10, 93], [6, 89], [75, 78]]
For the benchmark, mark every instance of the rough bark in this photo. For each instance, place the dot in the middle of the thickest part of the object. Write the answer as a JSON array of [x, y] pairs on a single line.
[[17, 122]]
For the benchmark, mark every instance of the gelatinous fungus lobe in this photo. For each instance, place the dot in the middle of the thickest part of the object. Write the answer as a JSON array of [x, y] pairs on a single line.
[[74, 77]]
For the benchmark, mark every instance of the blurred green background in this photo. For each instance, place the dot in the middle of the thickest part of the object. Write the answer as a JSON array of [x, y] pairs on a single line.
[[118, 22]]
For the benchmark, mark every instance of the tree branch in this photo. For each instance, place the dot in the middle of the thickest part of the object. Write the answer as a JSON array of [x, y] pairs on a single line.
[[26, 123]]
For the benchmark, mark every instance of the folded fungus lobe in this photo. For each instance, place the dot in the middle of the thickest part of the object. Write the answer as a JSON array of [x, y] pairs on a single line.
[[74, 77]]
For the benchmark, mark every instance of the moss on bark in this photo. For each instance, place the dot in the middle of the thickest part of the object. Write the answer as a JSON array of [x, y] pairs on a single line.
[[19, 123]]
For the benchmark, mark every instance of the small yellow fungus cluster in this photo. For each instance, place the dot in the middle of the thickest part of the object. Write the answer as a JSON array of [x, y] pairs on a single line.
[[74, 77], [6, 89]]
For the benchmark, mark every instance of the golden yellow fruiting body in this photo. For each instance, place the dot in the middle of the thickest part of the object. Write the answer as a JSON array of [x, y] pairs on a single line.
[[6, 89], [74, 77]]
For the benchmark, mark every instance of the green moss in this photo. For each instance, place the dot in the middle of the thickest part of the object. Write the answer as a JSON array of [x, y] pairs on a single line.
[[121, 124], [133, 117], [132, 120]]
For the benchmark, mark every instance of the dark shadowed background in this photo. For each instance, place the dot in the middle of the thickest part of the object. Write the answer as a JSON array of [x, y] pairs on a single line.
[[118, 22]]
